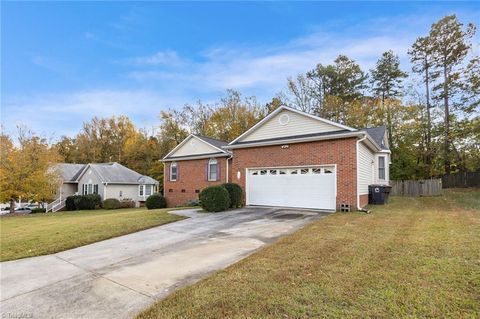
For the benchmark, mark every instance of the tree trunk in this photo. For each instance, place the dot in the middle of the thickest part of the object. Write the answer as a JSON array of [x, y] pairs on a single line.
[[429, 123], [389, 121], [12, 206], [447, 120]]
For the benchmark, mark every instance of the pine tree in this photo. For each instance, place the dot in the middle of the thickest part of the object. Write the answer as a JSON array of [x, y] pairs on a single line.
[[422, 59], [450, 46], [386, 81]]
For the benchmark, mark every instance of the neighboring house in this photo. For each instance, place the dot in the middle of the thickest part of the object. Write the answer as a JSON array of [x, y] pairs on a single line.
[[109, 180], [288, 159]]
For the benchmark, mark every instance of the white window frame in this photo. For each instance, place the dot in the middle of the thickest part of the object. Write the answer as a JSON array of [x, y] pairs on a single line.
[[149, 187], [212, 162], [382, 168], [141, 190], [172, 166]]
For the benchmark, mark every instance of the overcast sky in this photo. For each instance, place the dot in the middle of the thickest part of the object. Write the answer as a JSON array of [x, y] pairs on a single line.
[[63, 63]]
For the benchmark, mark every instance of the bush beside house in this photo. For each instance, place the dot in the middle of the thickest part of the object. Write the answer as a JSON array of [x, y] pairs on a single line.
[[236, 194], [214, 199], [155, 201], [83, 202], [111, 203]]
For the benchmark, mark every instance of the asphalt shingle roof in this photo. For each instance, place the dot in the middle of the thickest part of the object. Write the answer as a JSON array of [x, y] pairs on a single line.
[[108, 172], [117, 173], [213, 141], [69, 172], [377, 134]]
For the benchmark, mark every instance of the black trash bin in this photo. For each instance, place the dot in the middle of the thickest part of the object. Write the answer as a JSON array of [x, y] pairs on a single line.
[[378, 194]]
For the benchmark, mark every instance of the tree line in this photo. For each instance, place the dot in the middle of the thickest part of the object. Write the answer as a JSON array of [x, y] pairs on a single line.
[[430, 109]]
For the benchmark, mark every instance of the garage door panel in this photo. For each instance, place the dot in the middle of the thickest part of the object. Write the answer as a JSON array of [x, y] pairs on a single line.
[[313, 188]]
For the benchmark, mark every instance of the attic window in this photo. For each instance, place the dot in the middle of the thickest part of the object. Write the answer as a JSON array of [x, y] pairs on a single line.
[[284, 119]]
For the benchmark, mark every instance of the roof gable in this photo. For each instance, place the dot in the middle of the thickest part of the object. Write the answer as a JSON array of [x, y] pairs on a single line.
[[286, 122], [195, 145]]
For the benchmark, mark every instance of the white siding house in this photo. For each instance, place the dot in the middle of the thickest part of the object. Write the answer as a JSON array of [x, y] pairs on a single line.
[[109, 180]]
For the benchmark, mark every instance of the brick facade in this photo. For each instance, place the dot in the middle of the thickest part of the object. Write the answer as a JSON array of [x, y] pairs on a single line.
[[341, 152], [192, 178]]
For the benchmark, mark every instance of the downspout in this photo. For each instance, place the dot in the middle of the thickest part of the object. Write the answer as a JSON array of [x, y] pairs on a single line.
[[228, 158], [358, 171]]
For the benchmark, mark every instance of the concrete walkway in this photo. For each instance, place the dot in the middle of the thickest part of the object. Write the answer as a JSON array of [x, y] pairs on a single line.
[[119, 277]]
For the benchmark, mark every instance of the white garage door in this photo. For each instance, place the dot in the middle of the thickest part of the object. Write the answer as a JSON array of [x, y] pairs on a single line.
[[304, 187]]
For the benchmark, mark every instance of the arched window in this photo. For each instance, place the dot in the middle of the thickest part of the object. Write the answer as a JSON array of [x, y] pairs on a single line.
[[173, 171], [212, 170]]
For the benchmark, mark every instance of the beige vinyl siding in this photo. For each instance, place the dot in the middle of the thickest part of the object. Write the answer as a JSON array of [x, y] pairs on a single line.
[[68, 189], [90, 177], [194, 146], [128, 191], [298, 124], [365, 168]]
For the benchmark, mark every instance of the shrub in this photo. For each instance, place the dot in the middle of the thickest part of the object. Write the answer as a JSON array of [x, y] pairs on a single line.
[[214, 199], [38, 210], [156, 201], [236, 194], [79, 202], [127, 203], [84, 202], [111, 203], [95, 198], [70, 202]]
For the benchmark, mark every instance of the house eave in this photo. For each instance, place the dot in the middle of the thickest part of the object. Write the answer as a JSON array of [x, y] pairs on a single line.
[[194, 157], [296, 140]]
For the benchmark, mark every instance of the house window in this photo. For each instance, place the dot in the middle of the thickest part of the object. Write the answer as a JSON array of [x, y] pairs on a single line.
[[173, 171], [84, 189], [212, 169], [90, 188], [141, 190], [95, 188], [381, 167], [120, 194], [148, 190]]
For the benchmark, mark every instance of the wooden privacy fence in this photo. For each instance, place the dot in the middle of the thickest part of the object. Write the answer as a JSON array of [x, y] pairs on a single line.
[[462, 179], [422, 187]]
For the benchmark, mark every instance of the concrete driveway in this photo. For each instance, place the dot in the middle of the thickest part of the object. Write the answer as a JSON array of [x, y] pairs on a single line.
[[119, 277]]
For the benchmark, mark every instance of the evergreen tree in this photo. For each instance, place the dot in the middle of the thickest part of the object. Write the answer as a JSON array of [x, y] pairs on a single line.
[[450, 46], [386, 81], [421, 58]]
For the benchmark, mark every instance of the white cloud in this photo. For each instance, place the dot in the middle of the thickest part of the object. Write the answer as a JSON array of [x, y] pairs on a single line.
[[167, 79], [165, 58], [56, 113], [262, 68]]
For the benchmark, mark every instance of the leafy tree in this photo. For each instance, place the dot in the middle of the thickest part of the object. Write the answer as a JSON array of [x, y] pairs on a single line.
[[386, 81], [26, 170], [450, 46], [233, 116], [303, 94]]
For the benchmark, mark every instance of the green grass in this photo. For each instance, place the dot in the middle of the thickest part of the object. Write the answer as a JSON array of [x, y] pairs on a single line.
[[416, 257], [41, 234]]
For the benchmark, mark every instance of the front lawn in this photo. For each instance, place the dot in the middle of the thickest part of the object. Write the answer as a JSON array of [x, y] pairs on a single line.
[[417, 257], [41, 234]]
